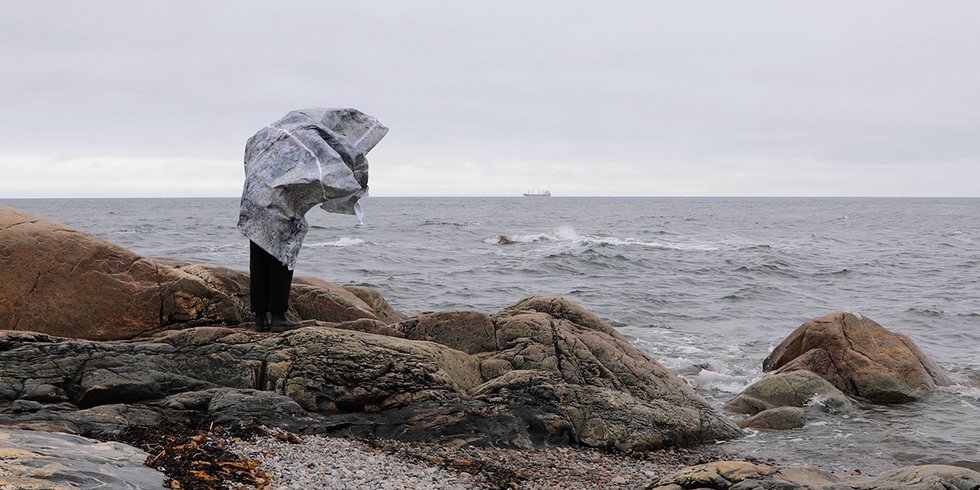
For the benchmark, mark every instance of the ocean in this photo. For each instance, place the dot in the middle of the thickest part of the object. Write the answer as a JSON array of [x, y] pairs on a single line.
[[719, 281]]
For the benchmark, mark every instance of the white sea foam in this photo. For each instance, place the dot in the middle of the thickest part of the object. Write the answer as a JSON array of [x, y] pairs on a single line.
[[566, 234], [340, 242], [966, 391], [708, 380]]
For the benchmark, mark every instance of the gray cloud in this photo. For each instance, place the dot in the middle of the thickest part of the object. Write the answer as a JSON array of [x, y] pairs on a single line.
[[678, 98]]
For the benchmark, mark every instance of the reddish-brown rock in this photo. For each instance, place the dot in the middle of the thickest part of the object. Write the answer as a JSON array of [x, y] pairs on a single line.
[[63, 282], [860, 357]]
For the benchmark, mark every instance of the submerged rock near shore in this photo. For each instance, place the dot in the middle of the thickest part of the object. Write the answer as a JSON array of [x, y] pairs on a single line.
[[859, 357], [830, 362], [543, 371]]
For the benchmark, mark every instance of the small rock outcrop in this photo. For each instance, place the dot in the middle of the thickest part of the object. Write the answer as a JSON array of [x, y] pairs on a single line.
[[860, 357], [60, 281], [745, 475], [781, 401], [779, 418], [789, 389]]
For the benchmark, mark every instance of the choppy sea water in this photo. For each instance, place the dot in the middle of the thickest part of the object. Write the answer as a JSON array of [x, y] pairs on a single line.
[[690, 280]]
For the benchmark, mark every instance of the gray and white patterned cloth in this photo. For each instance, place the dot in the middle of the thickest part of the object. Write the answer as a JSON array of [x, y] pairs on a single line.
[[309, 157]]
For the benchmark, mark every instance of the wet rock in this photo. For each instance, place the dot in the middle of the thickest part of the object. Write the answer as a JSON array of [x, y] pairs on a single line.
[[860, 357], [789, 389], [692, 369], [780, 418], [35, 459], [63, 282]]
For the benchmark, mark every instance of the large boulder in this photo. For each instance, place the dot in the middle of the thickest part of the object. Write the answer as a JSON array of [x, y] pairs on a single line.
[[60, 281], [519, 378], [607, 392], [860, 357]]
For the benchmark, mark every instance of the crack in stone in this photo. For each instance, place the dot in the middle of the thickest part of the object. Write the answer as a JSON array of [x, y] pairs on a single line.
[[558, 351], [496, 339], [262, 377], [20, 301], [850, 344], [160, 293], [28, 222]]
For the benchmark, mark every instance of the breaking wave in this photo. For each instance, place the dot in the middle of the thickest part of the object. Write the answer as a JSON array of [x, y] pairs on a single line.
[[340, 242], [567, 234]]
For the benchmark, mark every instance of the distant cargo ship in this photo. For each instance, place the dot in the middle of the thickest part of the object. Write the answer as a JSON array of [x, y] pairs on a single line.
[[537, 194]]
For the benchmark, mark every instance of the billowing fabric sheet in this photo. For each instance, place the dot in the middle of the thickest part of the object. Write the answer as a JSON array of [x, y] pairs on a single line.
[[309, 157]]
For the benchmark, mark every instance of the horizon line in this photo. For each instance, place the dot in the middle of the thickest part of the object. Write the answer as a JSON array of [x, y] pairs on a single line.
[[535, 198]]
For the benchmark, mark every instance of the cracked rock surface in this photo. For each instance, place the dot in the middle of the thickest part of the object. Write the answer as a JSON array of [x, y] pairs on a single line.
[[526, 379]]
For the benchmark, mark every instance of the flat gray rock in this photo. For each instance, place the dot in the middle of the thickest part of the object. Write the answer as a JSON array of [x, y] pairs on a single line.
[[36, 459]]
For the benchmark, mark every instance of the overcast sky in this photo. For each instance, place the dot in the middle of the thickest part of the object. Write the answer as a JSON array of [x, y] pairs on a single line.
[[776, 98]]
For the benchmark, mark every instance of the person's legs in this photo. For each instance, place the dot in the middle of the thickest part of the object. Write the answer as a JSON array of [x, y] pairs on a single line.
[[270, 284], [280, 281], [258, 267]]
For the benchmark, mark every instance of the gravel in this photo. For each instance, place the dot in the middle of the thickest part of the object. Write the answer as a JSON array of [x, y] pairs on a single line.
[[331, 462]]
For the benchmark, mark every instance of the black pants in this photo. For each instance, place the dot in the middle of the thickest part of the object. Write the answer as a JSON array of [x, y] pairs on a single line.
[[270, 281]]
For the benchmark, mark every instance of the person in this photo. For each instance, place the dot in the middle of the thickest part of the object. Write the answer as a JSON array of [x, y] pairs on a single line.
[[270, 282], [308, 157]]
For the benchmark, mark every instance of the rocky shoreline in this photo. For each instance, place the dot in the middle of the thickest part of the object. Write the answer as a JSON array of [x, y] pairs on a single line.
[[100, 342]]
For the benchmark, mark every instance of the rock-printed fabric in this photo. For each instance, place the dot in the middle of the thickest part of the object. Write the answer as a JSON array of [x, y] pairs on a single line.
[[309, 157]]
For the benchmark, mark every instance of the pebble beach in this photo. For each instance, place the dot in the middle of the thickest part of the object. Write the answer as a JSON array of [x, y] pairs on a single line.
[[332, 462]]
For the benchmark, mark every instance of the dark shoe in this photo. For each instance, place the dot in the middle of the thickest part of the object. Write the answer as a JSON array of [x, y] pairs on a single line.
[[261, 323], [281, 324]]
